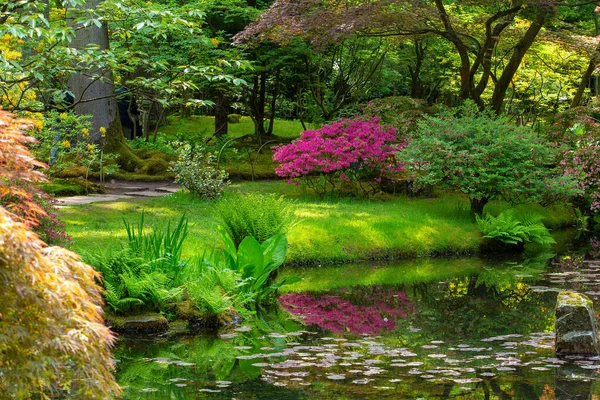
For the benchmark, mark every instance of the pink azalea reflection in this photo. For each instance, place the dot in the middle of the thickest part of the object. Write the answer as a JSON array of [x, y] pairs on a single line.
[[378, 312]]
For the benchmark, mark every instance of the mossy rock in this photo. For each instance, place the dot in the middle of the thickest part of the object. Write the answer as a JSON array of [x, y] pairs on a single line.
[[154, 166], [72, 172], [71, 187], [198, 320], [143, 323], [575, 325], [234, 118]]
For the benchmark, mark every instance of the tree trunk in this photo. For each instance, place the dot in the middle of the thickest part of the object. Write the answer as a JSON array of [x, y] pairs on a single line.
[[517, 56], [96, 96], [477, 205], [585, 82], [221, 113]]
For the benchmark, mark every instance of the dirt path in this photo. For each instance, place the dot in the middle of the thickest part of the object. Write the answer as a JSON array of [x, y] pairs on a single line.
[[116, 190]]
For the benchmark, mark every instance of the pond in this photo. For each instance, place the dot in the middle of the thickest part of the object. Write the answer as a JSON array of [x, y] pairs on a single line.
[[431, 328]]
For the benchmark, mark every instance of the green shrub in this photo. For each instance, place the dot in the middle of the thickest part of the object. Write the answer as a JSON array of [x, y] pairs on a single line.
[[485, 157], [255, 215], [234, 118], [511, 227], [198, 171]]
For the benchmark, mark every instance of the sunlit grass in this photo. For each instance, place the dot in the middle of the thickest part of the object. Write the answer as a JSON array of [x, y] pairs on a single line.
[[335, 230], [195, 126]]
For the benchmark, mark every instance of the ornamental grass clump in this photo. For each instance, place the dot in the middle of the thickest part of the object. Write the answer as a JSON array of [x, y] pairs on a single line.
[[352, 150]]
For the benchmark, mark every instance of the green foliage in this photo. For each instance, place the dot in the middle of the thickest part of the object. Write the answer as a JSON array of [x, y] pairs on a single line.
[[512, 227], [485, 157], [256, 215], [234, 118], [197, 171], [145, 274], [64, 142], [256, 263]]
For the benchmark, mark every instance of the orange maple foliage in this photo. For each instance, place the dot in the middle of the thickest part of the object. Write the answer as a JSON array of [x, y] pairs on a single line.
[[17, 170], [53, 341]]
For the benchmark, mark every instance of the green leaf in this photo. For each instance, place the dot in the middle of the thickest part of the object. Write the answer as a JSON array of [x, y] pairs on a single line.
[[250, 253], [275, 250]]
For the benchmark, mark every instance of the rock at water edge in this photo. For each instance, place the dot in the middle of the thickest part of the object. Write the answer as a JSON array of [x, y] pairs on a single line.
[[575, 326]]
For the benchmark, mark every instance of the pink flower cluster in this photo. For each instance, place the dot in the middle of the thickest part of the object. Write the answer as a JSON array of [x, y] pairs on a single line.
[[345, 146]]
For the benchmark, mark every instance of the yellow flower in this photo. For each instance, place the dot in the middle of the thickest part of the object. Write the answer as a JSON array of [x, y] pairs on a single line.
[[66, 144], [90, 147], [63, 115], [85, 131], [215, 42]]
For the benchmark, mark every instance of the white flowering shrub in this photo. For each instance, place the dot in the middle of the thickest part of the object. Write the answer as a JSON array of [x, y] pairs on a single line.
[[197, 170]]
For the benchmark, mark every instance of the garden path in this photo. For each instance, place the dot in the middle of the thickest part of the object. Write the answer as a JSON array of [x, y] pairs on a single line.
[[116, 190]]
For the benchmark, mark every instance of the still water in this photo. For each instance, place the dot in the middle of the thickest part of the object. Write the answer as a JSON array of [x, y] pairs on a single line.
[[465, 328]]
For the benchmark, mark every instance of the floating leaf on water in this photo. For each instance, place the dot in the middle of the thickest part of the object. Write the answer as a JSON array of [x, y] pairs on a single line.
[[335, 377], [505, 369], [395, 380], [437, 355], [223, 383], [540, 368], [260, 365], [363, 381], [467, 380], [209, 391], [243, 347], [427, 376], [225, 336], [244, 328], [429, 346], [184, 364], [149, 390], [487, 374]]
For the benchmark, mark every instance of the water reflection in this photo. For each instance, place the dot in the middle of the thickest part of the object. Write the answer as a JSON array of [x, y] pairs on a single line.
[[485, 334]]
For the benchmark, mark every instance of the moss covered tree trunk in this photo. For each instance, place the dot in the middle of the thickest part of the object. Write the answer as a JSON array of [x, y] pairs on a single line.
[[94, 94]]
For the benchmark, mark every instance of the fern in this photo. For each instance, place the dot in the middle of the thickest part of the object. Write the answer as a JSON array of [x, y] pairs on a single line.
[[256, 215], [512, 227]]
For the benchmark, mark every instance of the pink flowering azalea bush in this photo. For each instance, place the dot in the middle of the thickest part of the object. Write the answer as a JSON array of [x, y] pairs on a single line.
[[578, 136], [350, 150]]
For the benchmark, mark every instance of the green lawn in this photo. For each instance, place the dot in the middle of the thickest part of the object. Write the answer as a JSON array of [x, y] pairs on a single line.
[[329, 231], [247, 163], [200, 126]]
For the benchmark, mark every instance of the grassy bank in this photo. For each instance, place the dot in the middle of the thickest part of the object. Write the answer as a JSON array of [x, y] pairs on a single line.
[[329, 231], [201, 126]]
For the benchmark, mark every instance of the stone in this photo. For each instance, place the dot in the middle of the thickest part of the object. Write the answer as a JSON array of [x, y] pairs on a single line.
[[145, 323], [145, 193], [575, 326], [167, 189]]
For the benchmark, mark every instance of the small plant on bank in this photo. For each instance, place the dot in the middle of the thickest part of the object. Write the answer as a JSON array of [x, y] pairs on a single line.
[[513, 228], [485, 157], [348, 150], [197, 171], [256, 215], [65, 141]]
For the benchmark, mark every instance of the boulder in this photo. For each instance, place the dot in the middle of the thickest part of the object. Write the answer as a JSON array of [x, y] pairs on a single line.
[[146, 323], [575, 326]]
